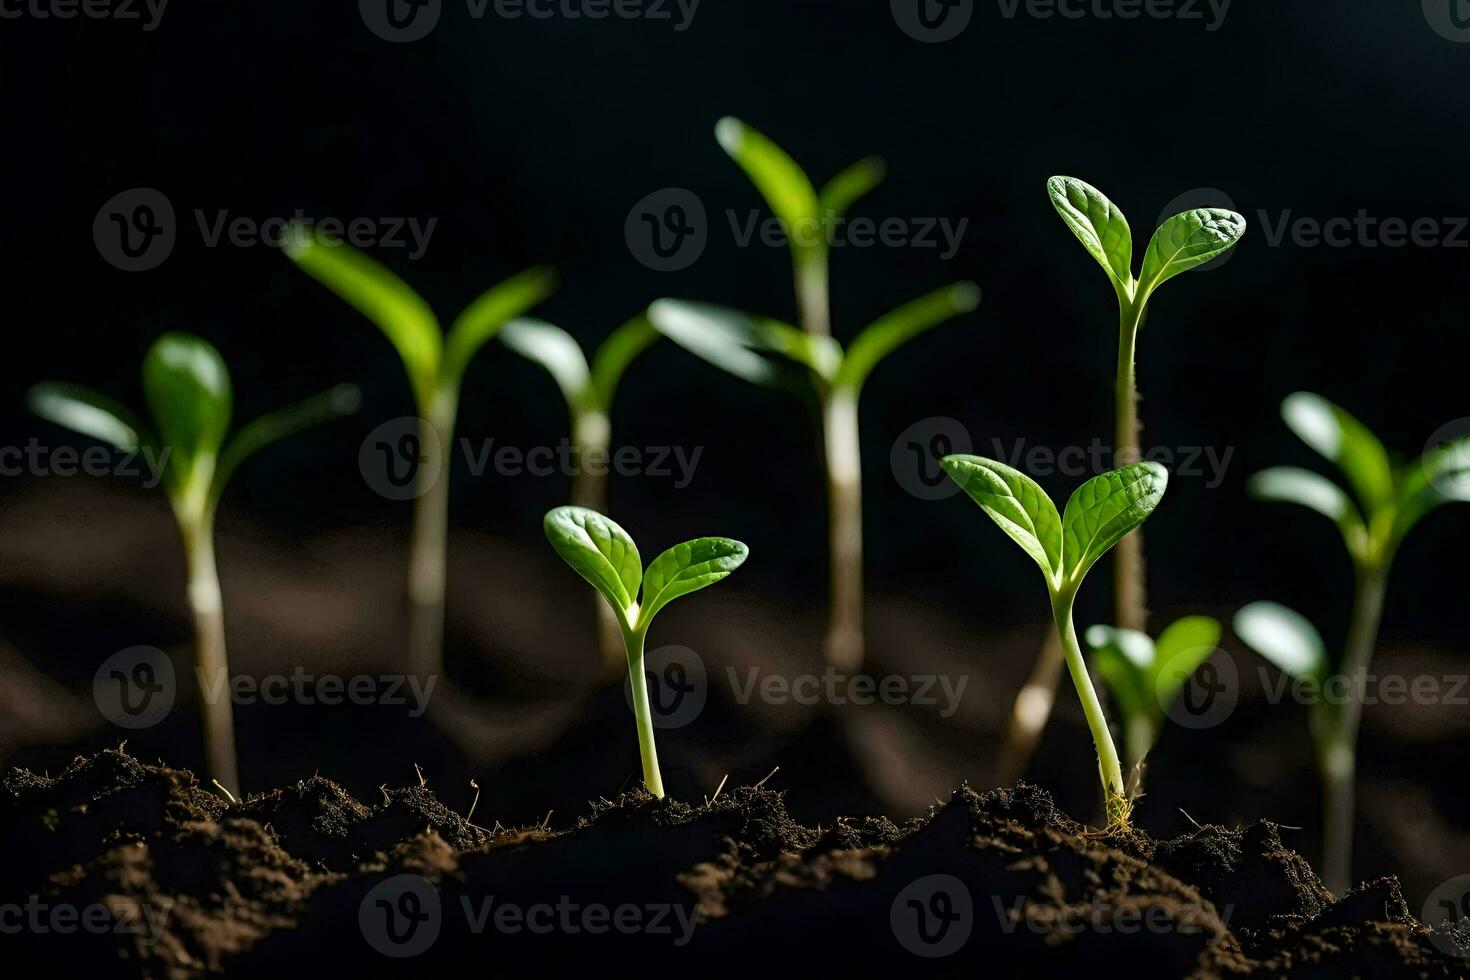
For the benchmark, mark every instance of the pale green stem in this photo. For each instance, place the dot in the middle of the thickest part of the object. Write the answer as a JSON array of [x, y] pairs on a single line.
[[633, 644], [813, 297], [1130, 597], [844, 641], [1115, 793], [428, 551], [206, 603]]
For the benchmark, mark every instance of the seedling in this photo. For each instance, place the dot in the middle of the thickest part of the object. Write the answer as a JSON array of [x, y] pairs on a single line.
[[435, 363], [769, 352], [1181, 243], [1099, 514], [589, 391], [602, 553], [1386, 502], [1145, 677], [187, 388]]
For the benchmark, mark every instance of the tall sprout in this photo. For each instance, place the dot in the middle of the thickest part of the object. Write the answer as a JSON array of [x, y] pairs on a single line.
[[435, 363], [190, 400]]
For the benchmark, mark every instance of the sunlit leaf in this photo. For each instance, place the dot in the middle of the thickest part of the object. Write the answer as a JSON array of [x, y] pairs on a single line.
[[1284, 637], [188, 391], [849, 186], [327, 406], [1017, 505], [687, 568], [1106, 508], [89, 412], [1344, 441], [1188, 240], [889, 332], [1097, 223], [555, 350], [490, 311], [598, 550]]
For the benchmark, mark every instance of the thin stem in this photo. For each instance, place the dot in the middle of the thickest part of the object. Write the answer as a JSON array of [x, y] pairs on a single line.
[[844, 641], [1115, 793], [633, 644], [1130, 596], [211, 664], [591, 437], [1337, 753], [813, 298], [428, 551], [1031, 709]]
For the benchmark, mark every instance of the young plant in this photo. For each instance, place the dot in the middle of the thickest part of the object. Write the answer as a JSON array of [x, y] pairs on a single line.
[[589, 391], [602, 553], [187, 388], [436, 363], [1145, 677], [769, 352], [1385, 503], [1181, 243], [1065, 546]]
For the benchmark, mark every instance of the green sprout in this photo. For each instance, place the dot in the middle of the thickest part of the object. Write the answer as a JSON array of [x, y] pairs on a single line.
[[1144, 677], [435, 363], [1099, 514], [602, 553], [807, 359], [187, 389], [1386, 502], [589, 390]]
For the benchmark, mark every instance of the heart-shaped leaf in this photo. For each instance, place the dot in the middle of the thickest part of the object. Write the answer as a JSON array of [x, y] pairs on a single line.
[[1017, 505], [188, 391], [1346, 442], [687, 568], [893, 330], [1284, 637], [1188, 240], [1106, 508], [601, 552], [850, 185], [785, 186], [557, 351], [1098, 225], [491, 311], [89, 412]]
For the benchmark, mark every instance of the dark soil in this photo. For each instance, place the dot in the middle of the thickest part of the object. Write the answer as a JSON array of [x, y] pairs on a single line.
[[119, 868]]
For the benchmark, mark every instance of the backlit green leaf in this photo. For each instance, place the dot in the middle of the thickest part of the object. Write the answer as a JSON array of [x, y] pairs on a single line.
[[687, 568], [889, 332], [1180, 649], [598, 550], [1017, 505], [334, 403], [1188, 240], [555, 350], [614, 355], [1284, 637], [849, 186], [1344, 441], [490, 311], [742, 344], [1124, 659], [1106, 508], [785, 186], [1097, 223], [188, 391], [89, 412]]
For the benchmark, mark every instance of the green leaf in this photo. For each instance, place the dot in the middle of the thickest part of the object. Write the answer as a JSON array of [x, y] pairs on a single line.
[[399, 312], [1284, 637], [1106, 508], [1440, 476], [89, 412], [1188, 240], [740, 343], [619, 350], [1181, 648], [1098, 225], [1346, 442], [1293, 485], [687, 568], [1125, 659], [600, 551], [335, 403], [1017, 505], [895, 329], [850, 185], [785, 186], [557, 351], [490, 311], [188, 391]]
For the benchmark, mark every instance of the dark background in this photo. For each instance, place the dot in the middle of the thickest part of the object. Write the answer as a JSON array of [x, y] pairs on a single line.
[[529, 141]]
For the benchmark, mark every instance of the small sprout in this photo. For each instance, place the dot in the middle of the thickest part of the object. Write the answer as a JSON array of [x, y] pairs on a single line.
[[1065, 546], [589, 391], [187, 388], [1386, 502], [435, 362], [602, 553], [1145, 677], [805, 358]]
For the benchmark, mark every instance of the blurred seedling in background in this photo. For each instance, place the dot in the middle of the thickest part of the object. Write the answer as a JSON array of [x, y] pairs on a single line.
[[589, 390], [806, 358], [1145, 677], [1065, 546], [1386, 502], [602, 553], [187, 389], [435, 363], [1183, 242]]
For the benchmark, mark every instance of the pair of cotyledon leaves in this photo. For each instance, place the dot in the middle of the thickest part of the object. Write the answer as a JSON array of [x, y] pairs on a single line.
[[770, 352], [604, 554], [189, 396], [1181, 243], [1145, 675], [1066, 545]]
